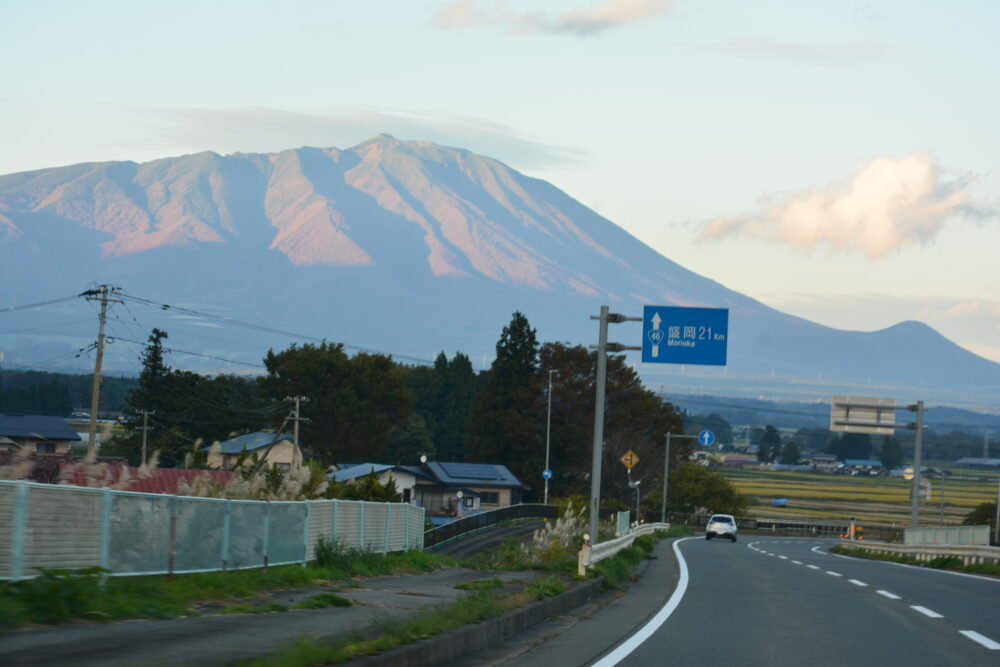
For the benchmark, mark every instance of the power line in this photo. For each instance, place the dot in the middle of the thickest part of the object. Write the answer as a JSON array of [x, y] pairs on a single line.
[[266, 329], [9, 309]]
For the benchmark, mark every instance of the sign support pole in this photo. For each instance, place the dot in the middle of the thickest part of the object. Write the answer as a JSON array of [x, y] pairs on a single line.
[[595, 466], [917, 446]]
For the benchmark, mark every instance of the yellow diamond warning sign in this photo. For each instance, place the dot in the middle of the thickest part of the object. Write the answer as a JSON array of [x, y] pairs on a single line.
[[630, 459]]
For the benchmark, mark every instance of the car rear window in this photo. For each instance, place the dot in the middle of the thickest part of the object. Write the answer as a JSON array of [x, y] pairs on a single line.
[[721, 519]]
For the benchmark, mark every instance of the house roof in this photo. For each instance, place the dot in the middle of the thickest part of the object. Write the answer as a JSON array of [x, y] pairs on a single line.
[[978, 461], [362, 469], [473, 474], [862, 462], [41, 427], [250, 442]]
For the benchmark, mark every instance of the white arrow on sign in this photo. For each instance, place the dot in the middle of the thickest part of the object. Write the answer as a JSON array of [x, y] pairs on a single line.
[[655, 334]]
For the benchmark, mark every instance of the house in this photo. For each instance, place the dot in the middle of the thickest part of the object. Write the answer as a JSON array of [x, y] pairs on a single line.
[[405, 477], [862, 466], [226, 453], [38, 434], [821, 462], [446, 490]]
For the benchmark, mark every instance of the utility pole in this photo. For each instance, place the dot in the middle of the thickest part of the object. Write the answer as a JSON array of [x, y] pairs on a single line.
[[548, 433], [603, 347], [297, 418], [666, 473], [103, 292], [918, 407], [145, 427]]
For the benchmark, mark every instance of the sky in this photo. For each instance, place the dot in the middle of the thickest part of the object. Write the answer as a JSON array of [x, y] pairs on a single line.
[[833, 159]]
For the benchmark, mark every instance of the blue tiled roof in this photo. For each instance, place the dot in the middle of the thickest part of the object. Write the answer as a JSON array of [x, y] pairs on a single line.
[[37, 426], [862, 462], [250, 442], [473, 474]]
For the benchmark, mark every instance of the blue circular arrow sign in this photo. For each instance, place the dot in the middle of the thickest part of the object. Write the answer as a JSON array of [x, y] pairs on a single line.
[[547, 474], [706, 438]]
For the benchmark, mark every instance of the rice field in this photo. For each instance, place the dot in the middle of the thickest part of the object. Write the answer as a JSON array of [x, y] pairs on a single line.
[[872, 500]]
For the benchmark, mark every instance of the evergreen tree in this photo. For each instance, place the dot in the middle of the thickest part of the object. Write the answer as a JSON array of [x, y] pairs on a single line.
[[790, 453], [891, 454], [772, 441], [504, 425]]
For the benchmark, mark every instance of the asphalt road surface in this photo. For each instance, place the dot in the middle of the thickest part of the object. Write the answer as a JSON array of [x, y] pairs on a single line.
[[773, 601]]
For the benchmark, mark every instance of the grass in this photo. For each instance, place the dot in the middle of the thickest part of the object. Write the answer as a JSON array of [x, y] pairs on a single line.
[[480, 584], [939, 563], [56, 596]]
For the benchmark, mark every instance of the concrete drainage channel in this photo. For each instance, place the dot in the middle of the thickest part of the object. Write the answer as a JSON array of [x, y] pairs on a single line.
[[455, 644]]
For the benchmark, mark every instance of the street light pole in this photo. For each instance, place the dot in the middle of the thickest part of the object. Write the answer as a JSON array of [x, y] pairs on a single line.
[[548, 433], [666, 473]]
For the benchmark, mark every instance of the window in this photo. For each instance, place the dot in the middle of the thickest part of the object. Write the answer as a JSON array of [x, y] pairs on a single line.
[[469, 501], [489, 498], [45, 448]]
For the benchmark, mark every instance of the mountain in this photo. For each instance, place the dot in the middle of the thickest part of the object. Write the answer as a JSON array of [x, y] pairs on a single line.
[[404, 247]]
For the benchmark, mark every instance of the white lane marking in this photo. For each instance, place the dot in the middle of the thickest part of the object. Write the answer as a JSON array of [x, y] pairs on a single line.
[[636, 640], [783, 557], [834, 574], [995, 580], [925, 611], [980, 639], [815, 548], [812, 567], [797, 562], [887, 594], [857, 583]]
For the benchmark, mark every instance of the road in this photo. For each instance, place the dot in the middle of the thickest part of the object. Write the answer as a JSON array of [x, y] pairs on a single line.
[[786, 601]]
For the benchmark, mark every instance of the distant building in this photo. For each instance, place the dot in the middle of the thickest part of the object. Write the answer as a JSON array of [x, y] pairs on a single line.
[[821, 462], [36, 434], [977, 462], [862, 466], [228, 452]]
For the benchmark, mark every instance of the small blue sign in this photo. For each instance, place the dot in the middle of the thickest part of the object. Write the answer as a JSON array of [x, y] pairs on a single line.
[[547, 474], [706, 438], [674, 335]]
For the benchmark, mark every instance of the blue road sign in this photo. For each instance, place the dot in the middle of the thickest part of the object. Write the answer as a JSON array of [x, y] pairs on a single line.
[[674, 335], [706, 438], [547, 474]]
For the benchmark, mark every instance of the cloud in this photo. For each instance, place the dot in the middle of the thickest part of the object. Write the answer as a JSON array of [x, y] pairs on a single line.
[[264, 129], [587, 22], [846, 53], [887, 205]]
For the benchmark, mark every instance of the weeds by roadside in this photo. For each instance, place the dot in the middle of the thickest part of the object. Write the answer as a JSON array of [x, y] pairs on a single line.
[[55, 596], [939, 563]]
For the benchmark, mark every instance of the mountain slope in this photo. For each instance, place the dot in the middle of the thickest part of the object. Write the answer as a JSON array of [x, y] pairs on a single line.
[[409, 247]]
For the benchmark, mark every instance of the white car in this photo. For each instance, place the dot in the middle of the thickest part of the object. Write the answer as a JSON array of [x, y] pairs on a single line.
[[721, 525]]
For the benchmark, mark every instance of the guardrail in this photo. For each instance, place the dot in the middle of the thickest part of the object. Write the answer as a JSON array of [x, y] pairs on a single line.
[[805, 527], [958, 535], [927, 552], [437, 537], [127, 533]]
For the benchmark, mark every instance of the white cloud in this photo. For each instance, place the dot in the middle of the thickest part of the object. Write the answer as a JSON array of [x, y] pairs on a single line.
[[608, 15], [263, 129], [888, 204]]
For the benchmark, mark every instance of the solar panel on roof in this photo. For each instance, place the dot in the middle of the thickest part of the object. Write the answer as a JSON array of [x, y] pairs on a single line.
[[472, 470]]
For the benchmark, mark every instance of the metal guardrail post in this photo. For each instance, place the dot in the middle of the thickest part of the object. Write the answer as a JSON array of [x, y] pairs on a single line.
[[20, 523], [106, 500], [267, 531], [227, 522], [305, 533]]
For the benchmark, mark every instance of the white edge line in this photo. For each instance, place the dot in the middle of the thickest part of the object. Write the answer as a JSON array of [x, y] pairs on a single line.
[[636, 640], [980, 639], [995, 580], [925, 611], [887, 594]]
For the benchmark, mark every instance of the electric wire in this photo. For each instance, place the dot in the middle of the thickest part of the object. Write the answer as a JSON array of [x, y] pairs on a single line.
[[9, 309]]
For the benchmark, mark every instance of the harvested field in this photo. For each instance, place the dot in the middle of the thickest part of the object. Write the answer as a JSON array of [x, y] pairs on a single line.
[[872, 500]]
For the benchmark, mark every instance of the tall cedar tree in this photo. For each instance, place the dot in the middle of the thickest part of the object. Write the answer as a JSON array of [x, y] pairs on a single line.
[[635, 419], [354, 402], [505, 426]]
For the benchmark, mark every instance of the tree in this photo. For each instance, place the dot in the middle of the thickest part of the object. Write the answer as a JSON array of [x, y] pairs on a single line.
[[695, 488], [717, 424], [771, 440], [892, 454], [408, 441], [354, 402], [790, 453], [851, 446], [984, 514], [504, 424]]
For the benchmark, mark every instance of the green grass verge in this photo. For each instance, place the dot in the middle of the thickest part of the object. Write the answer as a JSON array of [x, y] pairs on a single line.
[[55, 596], [939, 563]]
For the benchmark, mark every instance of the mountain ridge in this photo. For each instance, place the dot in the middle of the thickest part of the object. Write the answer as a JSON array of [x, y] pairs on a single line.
[[446, 240]]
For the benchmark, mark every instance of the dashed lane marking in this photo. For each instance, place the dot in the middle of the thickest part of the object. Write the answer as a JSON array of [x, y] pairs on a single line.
[[980, 639], [887, 594], [925, 611], [857, 583], [834, 574], [812, 567], [797, 562]]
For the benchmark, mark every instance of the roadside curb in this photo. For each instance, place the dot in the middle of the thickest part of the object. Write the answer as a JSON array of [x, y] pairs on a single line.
[[458, 643]]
